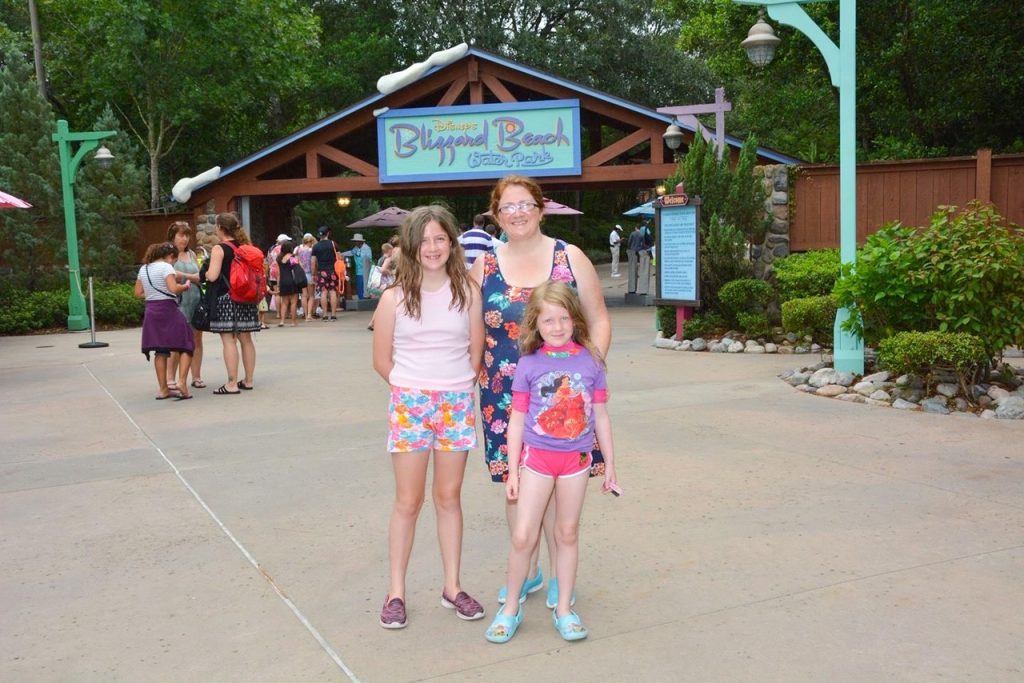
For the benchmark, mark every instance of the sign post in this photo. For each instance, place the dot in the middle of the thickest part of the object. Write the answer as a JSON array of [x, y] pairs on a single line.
[[677, 219]]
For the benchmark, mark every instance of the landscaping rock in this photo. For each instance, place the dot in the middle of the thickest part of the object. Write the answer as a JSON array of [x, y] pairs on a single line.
[[786, 374], [880, 395], [822, 377], [997, 393], [727, 341], [801, 349], [684, 345], [785, 350], [756, 348], [806, 388], [662, 343], [935, 405], [873, 402], [831, 390], [791, 337], [717, 347], [735, 347], [815, 348], [844, 379], [1010, 408], [797, 379], [771, 348], [851, 398], [961, 404], [985, 401], [865, 388], [882, 376], [988, 414], [699, 344], [900, 404], [947, 389], [911, 395]]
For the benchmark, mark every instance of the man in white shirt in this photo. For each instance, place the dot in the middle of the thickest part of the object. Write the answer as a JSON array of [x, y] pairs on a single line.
[[614, 242], [476, 241]]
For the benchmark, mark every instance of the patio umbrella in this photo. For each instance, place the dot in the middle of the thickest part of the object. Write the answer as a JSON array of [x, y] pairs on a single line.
[[553, 208], [642, 210], [390, 217], [9, 201]]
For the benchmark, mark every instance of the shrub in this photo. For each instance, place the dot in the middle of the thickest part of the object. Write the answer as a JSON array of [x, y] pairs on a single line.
[[116, 304], [667, 320], [723, 259], [921, 353], [962, 273], [746, 295], [753, 324], [703, 324], [813, 315], [813, 273], [22, 312]]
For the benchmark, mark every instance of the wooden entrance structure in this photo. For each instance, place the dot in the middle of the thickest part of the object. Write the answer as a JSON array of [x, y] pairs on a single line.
[[621, 141]]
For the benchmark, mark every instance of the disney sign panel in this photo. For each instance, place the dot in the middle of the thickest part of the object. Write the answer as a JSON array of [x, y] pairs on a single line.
[[479, 141]]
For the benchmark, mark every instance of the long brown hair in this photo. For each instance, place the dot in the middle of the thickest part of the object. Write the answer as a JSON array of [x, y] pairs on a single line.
[[159, 251], [409, 273], [229, 224], [179, 226], [556, 294], [529, 184]]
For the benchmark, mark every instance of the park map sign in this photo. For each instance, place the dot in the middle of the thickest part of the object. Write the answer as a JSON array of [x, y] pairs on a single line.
[[677, 219], [479, 141]]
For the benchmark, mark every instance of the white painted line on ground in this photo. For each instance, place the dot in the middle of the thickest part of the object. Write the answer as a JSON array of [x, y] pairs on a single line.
[[238, 544]]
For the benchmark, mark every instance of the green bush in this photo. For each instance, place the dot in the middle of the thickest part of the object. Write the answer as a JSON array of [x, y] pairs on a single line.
[[921, 353], [813, 273], [962, 273], [703, 324], [746, 295], [667, 320], [813, 315], [22, 312], [754, 324], [722, 259]]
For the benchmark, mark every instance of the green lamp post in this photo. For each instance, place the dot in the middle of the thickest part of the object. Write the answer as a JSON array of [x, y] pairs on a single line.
[[70, 159], [842, 67]]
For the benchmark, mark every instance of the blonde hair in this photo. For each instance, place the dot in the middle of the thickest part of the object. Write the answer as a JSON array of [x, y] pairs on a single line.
[[230, 225], [529, 184], [409, 273], [562, 295], [308, 240]]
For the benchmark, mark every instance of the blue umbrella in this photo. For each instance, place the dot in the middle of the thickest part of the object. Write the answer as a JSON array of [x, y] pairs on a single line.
[[642, 210]]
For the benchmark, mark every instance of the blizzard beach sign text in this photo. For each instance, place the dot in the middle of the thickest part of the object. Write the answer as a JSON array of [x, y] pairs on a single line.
[[479, 141]]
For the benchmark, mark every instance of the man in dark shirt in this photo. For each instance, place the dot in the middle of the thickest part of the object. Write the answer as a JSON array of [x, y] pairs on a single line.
[[639, 263], [323, 258]]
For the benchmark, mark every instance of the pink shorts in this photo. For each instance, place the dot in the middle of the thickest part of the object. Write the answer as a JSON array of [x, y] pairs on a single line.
[[555, 464]]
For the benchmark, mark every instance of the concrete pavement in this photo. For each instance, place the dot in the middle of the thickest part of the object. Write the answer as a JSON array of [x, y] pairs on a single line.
[[764, 535]]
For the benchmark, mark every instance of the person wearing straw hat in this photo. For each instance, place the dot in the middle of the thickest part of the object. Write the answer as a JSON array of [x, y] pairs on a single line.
[[362, 255]]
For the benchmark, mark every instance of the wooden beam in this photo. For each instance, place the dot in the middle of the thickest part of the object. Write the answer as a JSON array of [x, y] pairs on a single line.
[[498, 88], [618, 147], [476, 92], [312, 165], [347, 160], [453, 92]]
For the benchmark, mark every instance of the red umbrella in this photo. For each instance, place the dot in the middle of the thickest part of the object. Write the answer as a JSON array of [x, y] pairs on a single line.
[[390, 217], [553, 208], [9, 201]]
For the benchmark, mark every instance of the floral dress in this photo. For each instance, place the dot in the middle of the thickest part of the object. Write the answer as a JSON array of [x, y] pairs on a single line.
[[503, 307]]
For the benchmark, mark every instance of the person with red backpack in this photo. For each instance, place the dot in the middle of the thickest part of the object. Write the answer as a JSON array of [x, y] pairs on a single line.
[[236, 283]]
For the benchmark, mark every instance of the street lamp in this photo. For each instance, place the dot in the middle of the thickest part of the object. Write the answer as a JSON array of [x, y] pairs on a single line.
[[69, 162], [344, 201], [673, 137], [848, 351]]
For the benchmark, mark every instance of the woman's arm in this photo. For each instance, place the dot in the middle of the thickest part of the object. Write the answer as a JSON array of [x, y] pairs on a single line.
[[384, 334], [476, 273], [216, 261], [191, 277], [476, 331], [591, 299], [514, 436]]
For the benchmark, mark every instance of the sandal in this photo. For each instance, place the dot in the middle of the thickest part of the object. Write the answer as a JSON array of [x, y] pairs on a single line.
[[244, 387], [198, 384], [223, 391], [183, 397], [504, 627], [569, 627]]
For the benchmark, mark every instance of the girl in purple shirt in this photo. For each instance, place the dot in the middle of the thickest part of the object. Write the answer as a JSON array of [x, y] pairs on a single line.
[[559, 402]]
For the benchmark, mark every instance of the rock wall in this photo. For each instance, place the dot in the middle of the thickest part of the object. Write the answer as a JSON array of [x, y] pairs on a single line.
[[776, 239]]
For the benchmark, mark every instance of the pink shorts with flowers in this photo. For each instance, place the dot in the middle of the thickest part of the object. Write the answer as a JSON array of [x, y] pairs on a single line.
[[421, 419]]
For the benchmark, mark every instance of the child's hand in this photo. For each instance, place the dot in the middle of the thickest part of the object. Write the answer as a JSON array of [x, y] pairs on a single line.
[[512, 487], [611, 484]]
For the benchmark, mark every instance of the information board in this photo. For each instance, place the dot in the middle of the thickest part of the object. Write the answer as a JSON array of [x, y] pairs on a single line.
[[677, 221]]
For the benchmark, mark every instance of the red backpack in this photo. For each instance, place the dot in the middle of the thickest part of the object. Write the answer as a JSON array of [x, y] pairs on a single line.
[[248, 284]]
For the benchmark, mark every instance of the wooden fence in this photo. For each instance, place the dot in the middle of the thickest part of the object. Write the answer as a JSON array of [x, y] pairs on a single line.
[[907, 191]]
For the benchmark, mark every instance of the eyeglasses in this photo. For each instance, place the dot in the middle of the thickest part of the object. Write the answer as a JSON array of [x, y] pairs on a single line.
[[521, 207]]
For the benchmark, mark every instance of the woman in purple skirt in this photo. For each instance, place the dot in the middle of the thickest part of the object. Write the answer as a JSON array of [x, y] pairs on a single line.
[[164, 327]]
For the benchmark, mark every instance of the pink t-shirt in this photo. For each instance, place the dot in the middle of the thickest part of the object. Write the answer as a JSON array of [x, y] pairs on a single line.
[[432, 352]]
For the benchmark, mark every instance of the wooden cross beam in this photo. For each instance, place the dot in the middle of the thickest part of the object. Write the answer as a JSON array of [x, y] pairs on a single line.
[[718, 108]]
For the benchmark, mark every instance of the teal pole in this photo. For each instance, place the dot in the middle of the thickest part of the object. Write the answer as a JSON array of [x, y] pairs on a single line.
[[77, 317], [842, 66]]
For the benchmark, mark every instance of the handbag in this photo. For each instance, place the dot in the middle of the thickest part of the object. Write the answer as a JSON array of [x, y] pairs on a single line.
[[374, 284], [201, 315], [299, 275]]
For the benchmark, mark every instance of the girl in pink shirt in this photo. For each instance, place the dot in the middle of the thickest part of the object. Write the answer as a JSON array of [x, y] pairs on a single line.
[[428, 340]]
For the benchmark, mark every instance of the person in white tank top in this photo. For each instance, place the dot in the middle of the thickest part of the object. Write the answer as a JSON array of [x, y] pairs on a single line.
[[428, 339]]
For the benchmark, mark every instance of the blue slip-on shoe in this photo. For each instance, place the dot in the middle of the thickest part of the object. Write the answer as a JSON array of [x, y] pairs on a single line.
[[504, 627], [569, 627], [552, 601], [529, 586]]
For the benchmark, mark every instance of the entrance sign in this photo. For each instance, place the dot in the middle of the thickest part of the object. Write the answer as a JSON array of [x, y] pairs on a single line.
[[678, 232], [480, 141]]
